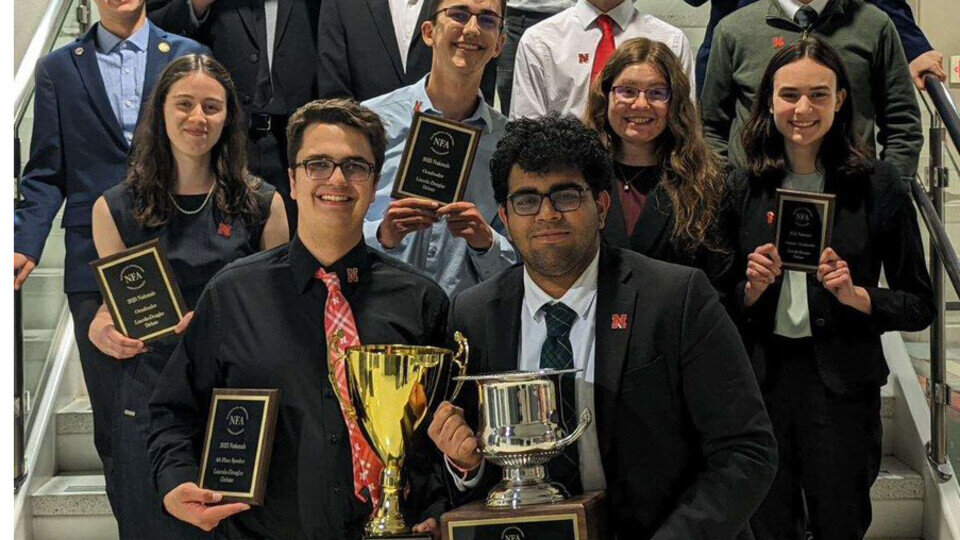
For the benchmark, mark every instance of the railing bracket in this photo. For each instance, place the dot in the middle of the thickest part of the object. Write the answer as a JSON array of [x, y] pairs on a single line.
[[944, 470]]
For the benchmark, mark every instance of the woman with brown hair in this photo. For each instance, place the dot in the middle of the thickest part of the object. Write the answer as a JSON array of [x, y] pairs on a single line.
[[669, 192], [187, 186]]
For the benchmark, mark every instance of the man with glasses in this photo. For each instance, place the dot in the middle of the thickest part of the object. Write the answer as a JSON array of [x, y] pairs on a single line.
[[681, 440], [266, 322], [454, 244], [559, 58]]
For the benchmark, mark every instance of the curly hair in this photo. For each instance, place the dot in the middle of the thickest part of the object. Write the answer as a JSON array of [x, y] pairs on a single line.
[[841, 151], [152, 171], [549, 144], [693, 177]]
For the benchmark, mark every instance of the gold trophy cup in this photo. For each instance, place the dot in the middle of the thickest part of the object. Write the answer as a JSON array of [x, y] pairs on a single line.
[[392, 387]]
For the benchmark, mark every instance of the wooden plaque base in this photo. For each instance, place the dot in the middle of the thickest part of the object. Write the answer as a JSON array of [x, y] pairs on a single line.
[[579, 518]]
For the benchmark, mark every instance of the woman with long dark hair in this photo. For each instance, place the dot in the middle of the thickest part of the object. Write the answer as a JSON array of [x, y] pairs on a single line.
[[814, 338], [188, 187], [669, 194]]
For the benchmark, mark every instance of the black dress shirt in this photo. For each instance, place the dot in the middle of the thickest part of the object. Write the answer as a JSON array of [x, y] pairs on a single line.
[[260, 324]]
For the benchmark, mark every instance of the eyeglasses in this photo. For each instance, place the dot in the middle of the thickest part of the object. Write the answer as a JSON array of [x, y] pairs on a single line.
[[563, 200], [488, 22], [321, 169], [629, 94]]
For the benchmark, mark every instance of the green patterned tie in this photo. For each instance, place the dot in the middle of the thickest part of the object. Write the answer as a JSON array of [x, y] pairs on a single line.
[[557, 353]]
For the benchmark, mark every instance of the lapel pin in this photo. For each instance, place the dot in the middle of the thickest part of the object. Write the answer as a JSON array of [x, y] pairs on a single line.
[[353, 276], [618, 321], [224, 230], [771, 218], [583, 58], [78, 51], [164, 47]]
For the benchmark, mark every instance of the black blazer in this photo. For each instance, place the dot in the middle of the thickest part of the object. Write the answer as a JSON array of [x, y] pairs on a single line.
[[652, 237], [874, 224], [359, 57], [235, 31], [685, 441]]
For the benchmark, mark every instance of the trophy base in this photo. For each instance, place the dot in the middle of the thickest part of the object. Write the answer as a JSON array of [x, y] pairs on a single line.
[[578, 518], [524, 486]]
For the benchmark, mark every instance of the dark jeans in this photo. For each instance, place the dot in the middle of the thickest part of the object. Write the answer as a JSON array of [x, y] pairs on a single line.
[[267, 158], [829, 450], [515, 23]]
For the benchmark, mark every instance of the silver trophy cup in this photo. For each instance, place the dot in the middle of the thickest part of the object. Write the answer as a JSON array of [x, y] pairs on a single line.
[[520, 431]]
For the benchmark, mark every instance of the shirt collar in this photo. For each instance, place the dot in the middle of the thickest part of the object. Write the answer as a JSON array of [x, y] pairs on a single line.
[[791, 7], [480, 118], [586, 13], [350, 269], [579, 297], [106, 41]]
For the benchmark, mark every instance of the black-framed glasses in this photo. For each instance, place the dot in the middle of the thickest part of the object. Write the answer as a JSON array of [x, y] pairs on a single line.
[[629, 94], [488, 22], [563, 200], [321, 169]]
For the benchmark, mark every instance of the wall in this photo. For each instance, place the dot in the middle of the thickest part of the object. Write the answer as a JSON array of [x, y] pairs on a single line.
[[26, 17]]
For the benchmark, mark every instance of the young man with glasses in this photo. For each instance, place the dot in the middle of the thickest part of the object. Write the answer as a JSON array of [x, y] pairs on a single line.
[[559, 58], [457, 244], [266, 322], [681, 441]]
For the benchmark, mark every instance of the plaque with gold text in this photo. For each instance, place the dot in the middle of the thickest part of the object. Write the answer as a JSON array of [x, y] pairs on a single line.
[[436, 160], [237, 446], [804, 223], [140, 291]]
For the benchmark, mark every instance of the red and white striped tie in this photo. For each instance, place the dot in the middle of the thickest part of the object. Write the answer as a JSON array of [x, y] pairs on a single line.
[[341, 332]]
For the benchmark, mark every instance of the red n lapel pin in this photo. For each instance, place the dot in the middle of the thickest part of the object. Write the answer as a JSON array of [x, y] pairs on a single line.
[[224, 230], [584, 58], [618, 321], [353, 276]]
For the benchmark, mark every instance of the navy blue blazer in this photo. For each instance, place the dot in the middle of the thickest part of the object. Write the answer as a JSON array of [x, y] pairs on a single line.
[[912, 38], [78, 150]]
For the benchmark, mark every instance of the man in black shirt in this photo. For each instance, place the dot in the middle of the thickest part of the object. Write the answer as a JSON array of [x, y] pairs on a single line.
[[261, 324]]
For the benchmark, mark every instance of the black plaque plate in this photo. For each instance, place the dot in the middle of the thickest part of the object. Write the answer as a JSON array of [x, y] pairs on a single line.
[[804, 224], [436, 160], [236, 451], [140, 291], [555, 527]]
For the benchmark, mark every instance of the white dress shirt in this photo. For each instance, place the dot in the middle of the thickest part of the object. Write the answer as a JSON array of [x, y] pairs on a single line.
[[582, 298], [540, 6], [555, 56], [791, 7], [405, 14]]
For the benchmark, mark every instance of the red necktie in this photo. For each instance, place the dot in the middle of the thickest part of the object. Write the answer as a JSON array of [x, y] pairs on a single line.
[[605, 48], [341, 333]]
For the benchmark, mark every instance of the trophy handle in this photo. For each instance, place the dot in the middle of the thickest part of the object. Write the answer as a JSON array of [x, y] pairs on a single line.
[[461, 359], [586, 417]]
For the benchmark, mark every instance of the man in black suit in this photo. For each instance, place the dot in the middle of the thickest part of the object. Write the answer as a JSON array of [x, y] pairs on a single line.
[[682, 442], [364, 54], [270, 49]]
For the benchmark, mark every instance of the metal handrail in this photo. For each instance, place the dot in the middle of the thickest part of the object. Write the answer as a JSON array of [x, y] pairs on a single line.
[[944, 120], [40, 45]]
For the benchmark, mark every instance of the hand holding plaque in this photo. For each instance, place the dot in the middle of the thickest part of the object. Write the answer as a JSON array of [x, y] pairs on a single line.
[[804, 225], [140, 292], [437, 159]]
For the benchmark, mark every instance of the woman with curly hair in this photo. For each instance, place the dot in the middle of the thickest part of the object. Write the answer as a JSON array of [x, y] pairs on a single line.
[[667, 200], [187, 186]]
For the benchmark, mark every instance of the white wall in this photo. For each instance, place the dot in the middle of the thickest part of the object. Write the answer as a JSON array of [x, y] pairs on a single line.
[[26, 17]]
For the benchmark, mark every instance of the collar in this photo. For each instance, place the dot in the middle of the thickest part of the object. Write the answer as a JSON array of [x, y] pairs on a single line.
[[586, 13], [350, 268], [579, 297], [107, 42], [791, 7], [480, 118]]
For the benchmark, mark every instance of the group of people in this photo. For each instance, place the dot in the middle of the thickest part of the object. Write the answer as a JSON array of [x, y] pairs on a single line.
[[617, 224]]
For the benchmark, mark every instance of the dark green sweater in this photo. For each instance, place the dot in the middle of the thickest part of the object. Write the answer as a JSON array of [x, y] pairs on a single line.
[[882, 91]]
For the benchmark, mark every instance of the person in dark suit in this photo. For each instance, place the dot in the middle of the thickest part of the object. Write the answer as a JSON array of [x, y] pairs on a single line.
[[681, 442], [87, 103], [270, 49], [667, 200], [815, 338], [364, 55]]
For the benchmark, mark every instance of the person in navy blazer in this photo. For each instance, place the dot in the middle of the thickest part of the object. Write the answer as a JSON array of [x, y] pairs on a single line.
[[79, 150]]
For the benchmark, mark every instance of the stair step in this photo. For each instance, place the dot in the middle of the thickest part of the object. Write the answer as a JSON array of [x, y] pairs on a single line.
[[43, 298], [75, 449], [897, 498], [75, 507]]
